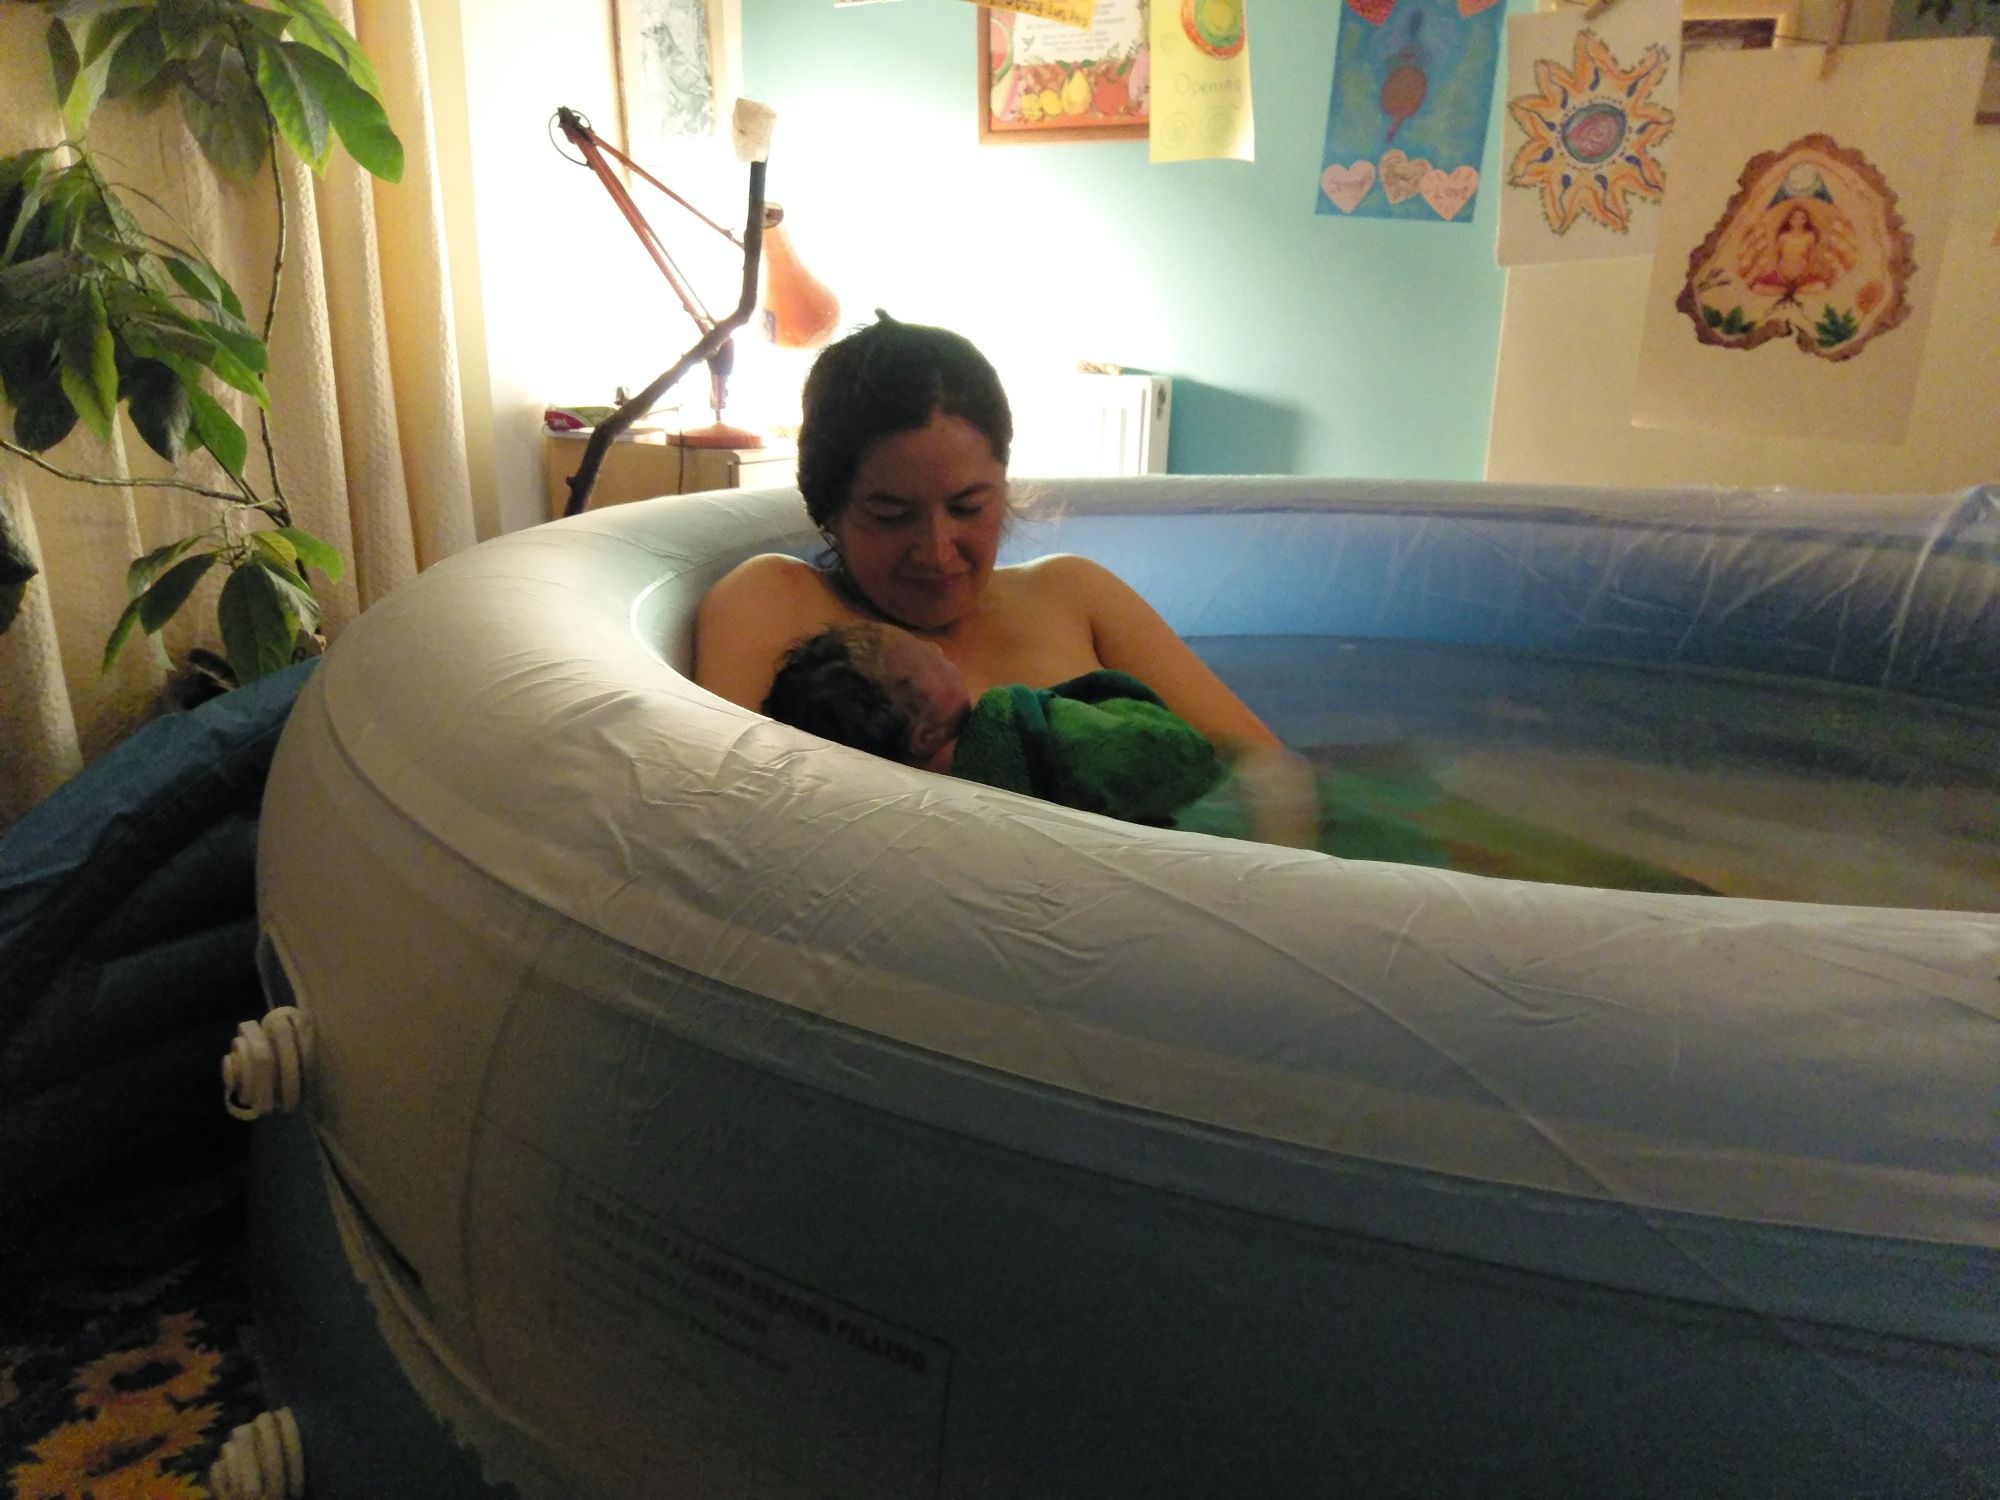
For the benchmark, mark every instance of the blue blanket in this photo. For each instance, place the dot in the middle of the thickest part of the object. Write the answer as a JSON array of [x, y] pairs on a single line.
[[128, 934]]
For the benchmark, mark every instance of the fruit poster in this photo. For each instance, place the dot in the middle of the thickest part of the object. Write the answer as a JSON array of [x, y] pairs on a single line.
[[1406, 126], [1798, 253], [1201, 57], [1050, 80], [1587, 128]]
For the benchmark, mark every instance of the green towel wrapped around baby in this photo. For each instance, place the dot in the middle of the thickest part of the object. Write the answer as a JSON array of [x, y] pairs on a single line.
[[1105, 742]]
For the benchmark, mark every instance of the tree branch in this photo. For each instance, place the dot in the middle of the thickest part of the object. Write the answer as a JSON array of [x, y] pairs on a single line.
[[247, 500]]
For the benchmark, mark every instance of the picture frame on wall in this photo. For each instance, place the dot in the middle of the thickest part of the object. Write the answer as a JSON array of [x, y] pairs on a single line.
[[673, 73], [1737, 25], [1046, 81]]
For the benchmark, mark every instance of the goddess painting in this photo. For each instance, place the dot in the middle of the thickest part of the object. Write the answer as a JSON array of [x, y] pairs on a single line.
[[1811, 248]]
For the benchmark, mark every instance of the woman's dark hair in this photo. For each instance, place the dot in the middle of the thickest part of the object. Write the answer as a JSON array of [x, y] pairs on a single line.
[[827, 685], [885, 378]]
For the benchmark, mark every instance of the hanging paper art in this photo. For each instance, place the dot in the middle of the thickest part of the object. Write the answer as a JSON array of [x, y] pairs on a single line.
[[1406, 126], [1811, 248], [1201, 82], [1799, 250], [1068, 12], [1589, 112]]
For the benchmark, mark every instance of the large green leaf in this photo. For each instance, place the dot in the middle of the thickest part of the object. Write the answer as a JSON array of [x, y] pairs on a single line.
[[128, 620], [160, 408], [138, 61], [218, 431], [188, 27], [298, 594], [152, 335], [108, 28], [24, 204], [294, 103], [314, 553], [170, 591], [204, 283], [356, 114], [322, 31], [89, 361], [246, 346], [65, 64], [143, 570], [30, 292], [225, 111], [259, 624], [43, 416]]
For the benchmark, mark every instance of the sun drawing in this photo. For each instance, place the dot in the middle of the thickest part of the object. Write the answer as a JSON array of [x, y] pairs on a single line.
[[1592, 132]]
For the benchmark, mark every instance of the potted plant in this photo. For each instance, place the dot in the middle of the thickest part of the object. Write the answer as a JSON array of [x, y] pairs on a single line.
[[99, 310]]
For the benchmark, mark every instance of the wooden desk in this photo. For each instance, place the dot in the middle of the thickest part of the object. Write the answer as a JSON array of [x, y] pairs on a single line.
[[648, 465]]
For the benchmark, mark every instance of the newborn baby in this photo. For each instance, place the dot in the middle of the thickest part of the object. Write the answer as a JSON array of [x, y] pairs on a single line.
[[1102, 742]]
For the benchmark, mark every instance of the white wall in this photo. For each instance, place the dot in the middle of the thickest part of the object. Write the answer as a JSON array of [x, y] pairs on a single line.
[[1558, 420], [558, 302]]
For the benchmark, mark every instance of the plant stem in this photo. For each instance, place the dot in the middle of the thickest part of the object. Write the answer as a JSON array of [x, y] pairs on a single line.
[[247, 500], [283, 511]]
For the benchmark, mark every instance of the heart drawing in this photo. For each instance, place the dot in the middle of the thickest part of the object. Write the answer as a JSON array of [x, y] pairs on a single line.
[[1347, 186], [1448, 192], [1401, 177]]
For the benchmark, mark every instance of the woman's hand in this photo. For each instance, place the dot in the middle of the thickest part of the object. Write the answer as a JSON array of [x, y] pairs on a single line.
[[1281, 796]]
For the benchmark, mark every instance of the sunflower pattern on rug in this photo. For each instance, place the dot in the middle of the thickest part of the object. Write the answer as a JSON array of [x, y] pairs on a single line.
[[124, 1358]]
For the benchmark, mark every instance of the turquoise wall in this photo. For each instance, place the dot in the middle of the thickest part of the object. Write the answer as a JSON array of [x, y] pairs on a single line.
[[1298, 343]]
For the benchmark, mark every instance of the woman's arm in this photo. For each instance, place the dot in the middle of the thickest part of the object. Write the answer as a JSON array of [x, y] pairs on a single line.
[[748, 619], [1130, 636]]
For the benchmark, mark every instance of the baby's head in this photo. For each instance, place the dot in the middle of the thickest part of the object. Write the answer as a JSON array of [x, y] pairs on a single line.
[[875, 688]]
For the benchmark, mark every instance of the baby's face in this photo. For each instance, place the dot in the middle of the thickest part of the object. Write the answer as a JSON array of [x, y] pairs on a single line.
[[932, 678]]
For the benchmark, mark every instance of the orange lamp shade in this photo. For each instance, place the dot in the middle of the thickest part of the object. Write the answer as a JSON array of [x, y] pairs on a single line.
[[799, 310]]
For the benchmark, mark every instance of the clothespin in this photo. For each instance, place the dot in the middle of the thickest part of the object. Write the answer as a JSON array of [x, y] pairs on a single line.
[[1839, 39], [1597, 8]]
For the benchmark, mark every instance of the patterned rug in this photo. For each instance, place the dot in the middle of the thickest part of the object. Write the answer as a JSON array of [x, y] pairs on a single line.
[[124, 1358]]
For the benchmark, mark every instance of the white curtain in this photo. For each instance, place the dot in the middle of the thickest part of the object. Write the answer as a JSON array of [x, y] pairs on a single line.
[[364, 389]]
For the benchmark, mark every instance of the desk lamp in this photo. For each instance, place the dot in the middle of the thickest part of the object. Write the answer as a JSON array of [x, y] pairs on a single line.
[[799, 311]]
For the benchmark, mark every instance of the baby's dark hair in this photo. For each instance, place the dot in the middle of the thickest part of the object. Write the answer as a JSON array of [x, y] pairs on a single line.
[[829, 685], [886, 378]]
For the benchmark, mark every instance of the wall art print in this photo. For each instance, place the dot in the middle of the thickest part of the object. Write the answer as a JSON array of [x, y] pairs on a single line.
[[670, 73], [1042, 80], [1201, 66], [1593, 136], [1811, 248], [1800, 244], [1406, 123], [1590, 113]]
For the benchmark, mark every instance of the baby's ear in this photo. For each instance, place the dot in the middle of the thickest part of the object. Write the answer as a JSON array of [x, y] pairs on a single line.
[[927, 737]]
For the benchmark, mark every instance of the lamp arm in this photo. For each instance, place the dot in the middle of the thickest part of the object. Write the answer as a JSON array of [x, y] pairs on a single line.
[[705, 347]]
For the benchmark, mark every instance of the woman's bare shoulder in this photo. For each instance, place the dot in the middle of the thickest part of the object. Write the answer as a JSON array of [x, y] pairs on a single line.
[[750, 616], [1064, 574], [767, 570]]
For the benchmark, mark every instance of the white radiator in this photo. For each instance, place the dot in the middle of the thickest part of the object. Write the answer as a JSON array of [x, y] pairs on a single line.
[[1091, 426]]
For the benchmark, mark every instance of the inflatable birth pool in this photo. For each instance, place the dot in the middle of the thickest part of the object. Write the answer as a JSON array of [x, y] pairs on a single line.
[[692, 1107]]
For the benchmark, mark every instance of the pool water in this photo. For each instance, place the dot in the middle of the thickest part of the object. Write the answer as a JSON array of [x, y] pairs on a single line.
[[1758, 786]]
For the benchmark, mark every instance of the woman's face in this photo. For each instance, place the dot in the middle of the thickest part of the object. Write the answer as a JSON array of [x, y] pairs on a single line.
[[922, 524]]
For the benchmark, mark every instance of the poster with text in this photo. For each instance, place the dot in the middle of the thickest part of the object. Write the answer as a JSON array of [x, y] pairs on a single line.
[[1799, 250], [1406, 126], [1201, 82], [1588, 122]]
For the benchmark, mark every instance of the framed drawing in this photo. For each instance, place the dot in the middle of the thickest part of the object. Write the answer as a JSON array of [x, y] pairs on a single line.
[[673, 72], [1045, 81], [1737, 25]]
